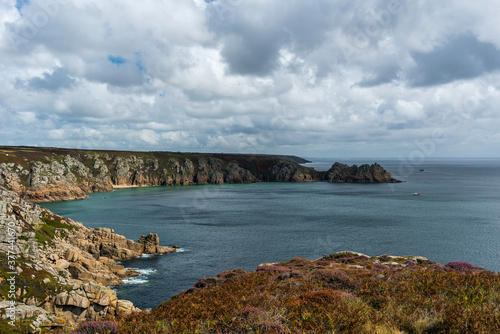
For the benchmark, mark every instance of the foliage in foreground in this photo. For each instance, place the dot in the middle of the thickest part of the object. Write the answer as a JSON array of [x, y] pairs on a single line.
[[341, 293], [97, 327]]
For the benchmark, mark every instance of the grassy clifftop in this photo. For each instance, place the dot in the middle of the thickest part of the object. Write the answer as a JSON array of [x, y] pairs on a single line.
[[342, 293], [24, 154]]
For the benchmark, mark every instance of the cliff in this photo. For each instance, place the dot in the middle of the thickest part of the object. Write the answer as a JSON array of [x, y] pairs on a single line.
[[49, 174], [57, 270]]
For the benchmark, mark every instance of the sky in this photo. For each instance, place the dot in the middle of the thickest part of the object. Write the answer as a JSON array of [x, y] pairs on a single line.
[[326, 78]]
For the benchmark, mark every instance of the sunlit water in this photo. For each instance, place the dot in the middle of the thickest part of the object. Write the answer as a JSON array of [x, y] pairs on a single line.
[[457, 217]]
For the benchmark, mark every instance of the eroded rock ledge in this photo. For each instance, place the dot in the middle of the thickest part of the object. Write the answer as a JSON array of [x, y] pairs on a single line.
[[64, 268]]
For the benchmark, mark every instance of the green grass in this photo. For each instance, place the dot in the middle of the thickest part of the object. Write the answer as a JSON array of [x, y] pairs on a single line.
[[30, 280], [47, 231], [22, 326]]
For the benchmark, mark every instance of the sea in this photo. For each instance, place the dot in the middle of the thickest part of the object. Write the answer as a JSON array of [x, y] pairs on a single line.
[[456, 217]]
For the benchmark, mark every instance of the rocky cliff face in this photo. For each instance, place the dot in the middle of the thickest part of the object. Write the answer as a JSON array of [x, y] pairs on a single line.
[[55, 178], [375, 173], [62, 268], [42, 174], [71, 174]]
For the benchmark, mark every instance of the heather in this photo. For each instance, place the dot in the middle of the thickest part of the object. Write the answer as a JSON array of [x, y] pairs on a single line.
[[97, 327], [341, 293]]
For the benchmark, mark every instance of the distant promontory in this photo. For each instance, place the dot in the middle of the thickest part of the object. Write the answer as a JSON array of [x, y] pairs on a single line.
[[54, 174]]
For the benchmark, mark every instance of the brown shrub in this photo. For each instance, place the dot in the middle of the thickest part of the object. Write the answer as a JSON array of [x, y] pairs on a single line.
[[324, 296]]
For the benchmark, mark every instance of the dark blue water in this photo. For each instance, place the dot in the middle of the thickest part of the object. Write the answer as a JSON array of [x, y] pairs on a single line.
[[457, 217]]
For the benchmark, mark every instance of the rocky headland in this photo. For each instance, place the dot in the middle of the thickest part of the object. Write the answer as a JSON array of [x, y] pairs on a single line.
[[342, 173], [50, 174], [62, 270]]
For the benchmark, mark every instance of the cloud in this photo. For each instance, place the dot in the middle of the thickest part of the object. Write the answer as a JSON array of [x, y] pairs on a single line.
[[322, 78], [384, 75], [58, 79], [461, 57], [253, 33]]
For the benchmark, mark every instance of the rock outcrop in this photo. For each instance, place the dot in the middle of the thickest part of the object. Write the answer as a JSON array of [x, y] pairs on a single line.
[[62, 268], [340, 173], [286, 171], [44, 175]]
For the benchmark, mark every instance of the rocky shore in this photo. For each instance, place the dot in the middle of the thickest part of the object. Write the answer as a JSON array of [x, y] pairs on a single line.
[[49, 174], [62, 270]]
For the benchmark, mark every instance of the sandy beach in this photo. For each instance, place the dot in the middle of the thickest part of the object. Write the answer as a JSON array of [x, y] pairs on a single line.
[[122, 186]]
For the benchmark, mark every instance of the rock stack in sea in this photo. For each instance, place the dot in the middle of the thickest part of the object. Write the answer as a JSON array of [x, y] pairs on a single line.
[[62, 268]]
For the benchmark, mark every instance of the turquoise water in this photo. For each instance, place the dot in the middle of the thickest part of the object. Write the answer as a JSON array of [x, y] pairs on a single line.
[[457, 217]]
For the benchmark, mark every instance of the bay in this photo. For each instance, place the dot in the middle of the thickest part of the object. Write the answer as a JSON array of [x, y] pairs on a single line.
[[221, 227]]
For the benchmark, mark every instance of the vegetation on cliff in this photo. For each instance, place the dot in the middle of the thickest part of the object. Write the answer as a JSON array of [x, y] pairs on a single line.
[[56, 271], [342, 293]]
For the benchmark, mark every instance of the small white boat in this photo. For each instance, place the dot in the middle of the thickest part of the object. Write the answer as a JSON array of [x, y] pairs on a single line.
[[416, 194]]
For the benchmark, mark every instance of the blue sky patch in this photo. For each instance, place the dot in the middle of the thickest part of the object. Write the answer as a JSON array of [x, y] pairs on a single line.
[[139, 63], [117, 60], [21, 3]]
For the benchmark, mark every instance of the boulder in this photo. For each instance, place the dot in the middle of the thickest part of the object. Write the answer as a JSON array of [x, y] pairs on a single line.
[[88, 264], [92, 291], [23, 311], [124, 308], [61, 298], [75, 298], [61, 264], [72, 256], [77, 271]]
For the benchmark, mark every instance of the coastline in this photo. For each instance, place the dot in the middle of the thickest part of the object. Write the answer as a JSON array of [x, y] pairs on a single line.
[[125, 186], [62, 271], [51, 174]]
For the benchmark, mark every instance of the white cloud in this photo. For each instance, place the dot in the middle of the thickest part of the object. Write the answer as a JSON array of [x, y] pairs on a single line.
[[325, 78]]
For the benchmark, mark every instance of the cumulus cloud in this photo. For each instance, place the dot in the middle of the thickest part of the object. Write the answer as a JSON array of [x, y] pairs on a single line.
[[59, 78], [461, 57], [322, 78]]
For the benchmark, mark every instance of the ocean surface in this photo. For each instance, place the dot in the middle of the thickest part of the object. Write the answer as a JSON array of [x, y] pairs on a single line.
[[221, 227]]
